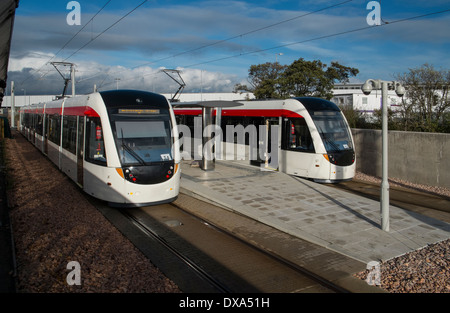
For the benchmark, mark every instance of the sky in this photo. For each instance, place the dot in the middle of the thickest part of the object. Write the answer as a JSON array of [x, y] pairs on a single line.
[[127, 44]]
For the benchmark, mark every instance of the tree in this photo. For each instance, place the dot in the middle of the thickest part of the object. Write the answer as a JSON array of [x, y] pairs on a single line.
[[426, 105], [264, 80], [314, 78], [355, 118], [301, 78]]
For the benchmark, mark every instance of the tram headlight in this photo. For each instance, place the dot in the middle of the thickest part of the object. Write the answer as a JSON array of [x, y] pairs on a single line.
[[330, 158]]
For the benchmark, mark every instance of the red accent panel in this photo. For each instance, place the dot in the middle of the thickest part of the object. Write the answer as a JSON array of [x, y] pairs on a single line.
[[260, 113], [240, 112], [90, 112], [53, 110], [73, 111], [77, 111], [187, 112]]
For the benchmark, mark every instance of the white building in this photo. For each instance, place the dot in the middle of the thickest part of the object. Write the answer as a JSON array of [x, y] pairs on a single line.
[[351, 94]]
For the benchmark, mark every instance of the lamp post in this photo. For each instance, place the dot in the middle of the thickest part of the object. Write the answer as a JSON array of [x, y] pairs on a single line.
[[276, 56], [400, 91]]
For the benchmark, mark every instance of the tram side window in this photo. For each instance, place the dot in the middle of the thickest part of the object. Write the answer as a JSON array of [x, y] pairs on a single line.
[[28, 119], [297, 136], [54, 129], [39, 124], [69, 141], [95, 146], [244, 121], [25, 120]]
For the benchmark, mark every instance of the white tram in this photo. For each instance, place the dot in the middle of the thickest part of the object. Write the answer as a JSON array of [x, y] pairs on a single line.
[[313, 138], [118, 146]]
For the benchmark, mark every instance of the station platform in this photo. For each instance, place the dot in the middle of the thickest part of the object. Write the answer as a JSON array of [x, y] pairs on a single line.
[[337, 220]]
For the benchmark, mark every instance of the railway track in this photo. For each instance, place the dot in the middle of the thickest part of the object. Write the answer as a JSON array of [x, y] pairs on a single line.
[[200, 257], [191, 264]]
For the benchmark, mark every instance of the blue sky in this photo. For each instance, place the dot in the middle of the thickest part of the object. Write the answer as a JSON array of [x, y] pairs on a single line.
[[214, 43]]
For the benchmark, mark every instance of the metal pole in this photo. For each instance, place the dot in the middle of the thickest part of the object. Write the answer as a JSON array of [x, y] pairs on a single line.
[[72, 70], [13, 106], [385, 184], [208, 154]]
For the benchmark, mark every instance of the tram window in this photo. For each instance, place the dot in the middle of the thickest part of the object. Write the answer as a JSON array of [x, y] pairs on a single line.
[[31, 121], [25, 120], [54, 129], [39, 124], [244, 121], [296, 135], [69, 141], [95, 145]]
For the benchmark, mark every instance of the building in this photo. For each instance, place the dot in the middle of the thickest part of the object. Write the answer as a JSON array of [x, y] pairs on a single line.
[[352, 95]]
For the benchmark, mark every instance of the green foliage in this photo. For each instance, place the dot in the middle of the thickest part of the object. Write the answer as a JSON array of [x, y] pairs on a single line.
[[426, 104], [301, 78], [355, 118]]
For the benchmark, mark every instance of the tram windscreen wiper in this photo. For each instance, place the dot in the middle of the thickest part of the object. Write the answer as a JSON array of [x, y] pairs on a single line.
[[131, 151], [327, 140]]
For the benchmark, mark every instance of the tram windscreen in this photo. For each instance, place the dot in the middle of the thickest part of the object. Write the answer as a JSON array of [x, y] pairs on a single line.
[[333, 130], [143, 141]]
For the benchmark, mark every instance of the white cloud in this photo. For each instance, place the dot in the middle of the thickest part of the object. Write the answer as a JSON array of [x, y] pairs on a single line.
[[32, 60], [32, 73]]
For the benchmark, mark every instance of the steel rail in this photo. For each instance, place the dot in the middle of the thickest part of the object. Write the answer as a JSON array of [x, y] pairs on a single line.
[[191, 264]]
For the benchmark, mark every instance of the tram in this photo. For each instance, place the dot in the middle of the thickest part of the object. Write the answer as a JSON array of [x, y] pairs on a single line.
[[119, 146], [307, 137]]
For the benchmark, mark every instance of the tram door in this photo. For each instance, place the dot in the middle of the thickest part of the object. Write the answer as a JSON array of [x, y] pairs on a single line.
[[268, 143], [46, 123], [80, 150]]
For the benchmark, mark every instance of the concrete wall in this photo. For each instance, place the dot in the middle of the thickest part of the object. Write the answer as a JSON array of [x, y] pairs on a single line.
[[422, 158]]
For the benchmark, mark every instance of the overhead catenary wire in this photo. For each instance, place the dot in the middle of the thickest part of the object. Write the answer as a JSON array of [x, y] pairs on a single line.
[[239, 35], [92, 18], [94, 38], [69, 41], [311, 39], [184, 52], [247, 33], [104, 31], [319, 38]]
